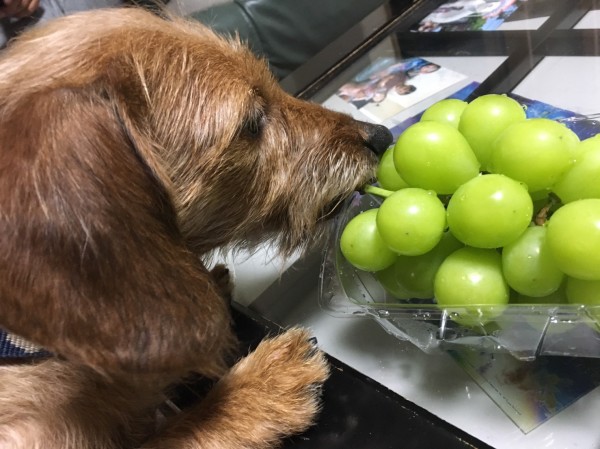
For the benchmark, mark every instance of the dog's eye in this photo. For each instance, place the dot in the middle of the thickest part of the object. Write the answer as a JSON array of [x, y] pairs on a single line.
[[253, 125], [254, 120]]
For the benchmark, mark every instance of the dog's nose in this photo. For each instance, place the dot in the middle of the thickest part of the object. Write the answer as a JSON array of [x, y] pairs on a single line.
[[379, 138]]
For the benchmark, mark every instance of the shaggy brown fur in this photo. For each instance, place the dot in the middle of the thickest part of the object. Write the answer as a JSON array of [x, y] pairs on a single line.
[[130, 147]]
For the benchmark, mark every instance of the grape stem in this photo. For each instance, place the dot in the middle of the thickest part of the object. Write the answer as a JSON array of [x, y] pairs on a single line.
[[544, 213], [377, 191]]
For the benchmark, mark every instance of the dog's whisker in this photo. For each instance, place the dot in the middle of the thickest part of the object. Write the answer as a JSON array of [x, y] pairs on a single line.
[[144, 84]]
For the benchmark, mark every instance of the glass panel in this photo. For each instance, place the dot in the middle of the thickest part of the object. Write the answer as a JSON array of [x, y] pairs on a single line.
[[364, 92], [546, 51], [568, 82]]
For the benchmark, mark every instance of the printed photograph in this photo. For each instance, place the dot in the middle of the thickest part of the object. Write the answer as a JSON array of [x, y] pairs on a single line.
[[389, 86], [530, 393], [468, 15]]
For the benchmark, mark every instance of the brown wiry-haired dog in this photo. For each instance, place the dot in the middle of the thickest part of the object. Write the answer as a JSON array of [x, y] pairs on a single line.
[[130, 146]]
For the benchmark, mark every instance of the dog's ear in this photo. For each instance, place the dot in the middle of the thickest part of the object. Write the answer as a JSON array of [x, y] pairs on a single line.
[[92, 262]]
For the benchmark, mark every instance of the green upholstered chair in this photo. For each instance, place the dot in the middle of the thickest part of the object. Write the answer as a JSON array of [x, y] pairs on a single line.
[[286, 32]]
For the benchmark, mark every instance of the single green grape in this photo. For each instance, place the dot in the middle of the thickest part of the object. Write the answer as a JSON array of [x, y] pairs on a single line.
[[591, 143], [582, 179], [470, 280], [484, 119], [586, 293], [387, 175], [539, 320], [540, 195], [412, 276], [434, 156], [489, 211], [559, 296], [528, 266], [445, 111], [532, 151], [583, 292], [387, 279], [570, 139], [362, 245], [411, 221], [573, 238]]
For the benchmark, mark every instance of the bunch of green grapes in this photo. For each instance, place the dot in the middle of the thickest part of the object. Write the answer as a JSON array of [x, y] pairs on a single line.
[[483, 206]]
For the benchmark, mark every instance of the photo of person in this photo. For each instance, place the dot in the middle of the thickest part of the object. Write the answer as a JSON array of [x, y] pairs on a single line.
[[468, 15], [389, 85]]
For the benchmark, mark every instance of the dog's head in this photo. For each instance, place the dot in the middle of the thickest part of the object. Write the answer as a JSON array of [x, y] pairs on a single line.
[[125, 141], [240, 159]]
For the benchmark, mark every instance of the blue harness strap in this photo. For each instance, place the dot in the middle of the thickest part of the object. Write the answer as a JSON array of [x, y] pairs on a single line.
[[15, 347]]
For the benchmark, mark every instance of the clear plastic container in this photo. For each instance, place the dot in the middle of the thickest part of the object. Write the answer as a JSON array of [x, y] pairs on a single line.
[[525, 331]]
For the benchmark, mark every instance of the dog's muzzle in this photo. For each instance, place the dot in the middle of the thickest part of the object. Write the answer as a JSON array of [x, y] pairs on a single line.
[[378, 139]]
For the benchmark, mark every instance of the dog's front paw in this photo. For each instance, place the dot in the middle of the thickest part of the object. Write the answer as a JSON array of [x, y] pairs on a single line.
[[281, 382], [272, 393]]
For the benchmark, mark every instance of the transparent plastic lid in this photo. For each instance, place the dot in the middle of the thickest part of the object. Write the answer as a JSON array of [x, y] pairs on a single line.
[[524, 330]]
